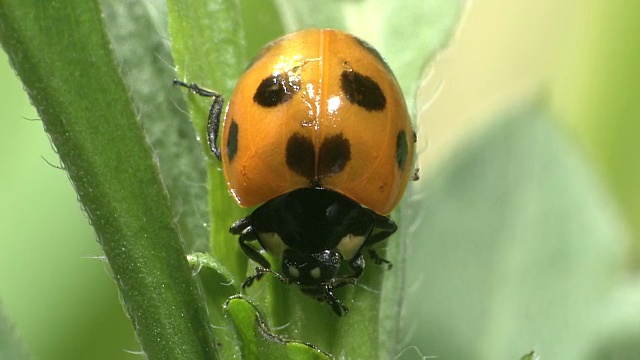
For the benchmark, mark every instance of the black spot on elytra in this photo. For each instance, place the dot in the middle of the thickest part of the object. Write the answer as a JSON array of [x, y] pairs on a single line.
[[232, 140], [402, 149], [300, 155], [274, 90], [335, 153], [362, 91]]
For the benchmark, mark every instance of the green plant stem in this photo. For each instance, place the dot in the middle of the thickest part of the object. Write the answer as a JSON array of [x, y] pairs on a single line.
[[72, 79]]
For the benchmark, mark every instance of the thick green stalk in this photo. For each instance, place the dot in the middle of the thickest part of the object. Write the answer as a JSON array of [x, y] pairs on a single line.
[[62, 55]]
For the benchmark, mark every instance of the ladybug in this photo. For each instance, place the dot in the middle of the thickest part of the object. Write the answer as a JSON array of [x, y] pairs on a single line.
[[316, 133]]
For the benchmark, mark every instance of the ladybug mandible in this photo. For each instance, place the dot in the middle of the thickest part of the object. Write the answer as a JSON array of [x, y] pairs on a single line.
[[318, 132]]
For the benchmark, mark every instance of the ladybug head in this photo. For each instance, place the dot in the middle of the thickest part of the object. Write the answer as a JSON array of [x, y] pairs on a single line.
[[310, 269]]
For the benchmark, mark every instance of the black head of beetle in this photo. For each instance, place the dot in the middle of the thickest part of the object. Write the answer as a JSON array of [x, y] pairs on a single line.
[[313, 230]]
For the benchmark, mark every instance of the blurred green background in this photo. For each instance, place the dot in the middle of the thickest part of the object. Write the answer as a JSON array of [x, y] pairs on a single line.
[[582, 55]]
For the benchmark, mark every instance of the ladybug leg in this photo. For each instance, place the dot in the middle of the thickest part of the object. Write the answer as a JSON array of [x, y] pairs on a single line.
[[357, 265], [255, 256], [215, 112], [383, 228], [338, 282], [241, 226], [245, 233], [379, 260], [338, 307], [213, 124], [416, 174], [260, 271], [252, 253]]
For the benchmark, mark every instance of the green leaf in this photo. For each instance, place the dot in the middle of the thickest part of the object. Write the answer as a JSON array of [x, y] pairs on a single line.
[[515, 247], [620, 325], [208, 46], [258, 342], [138, 33], [64, 59], [597, 93], [530, 356], [407, 33], [261, 23], [10, 344]]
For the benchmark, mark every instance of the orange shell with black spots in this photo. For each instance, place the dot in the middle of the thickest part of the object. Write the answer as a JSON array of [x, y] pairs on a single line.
[[318, 108]]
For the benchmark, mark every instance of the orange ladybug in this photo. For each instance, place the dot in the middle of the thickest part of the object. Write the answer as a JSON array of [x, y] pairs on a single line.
[[318, 132]]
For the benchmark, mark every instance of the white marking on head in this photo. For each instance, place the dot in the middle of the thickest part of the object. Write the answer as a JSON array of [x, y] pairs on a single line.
[[349, 245], [315, 273], [294, 272]]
